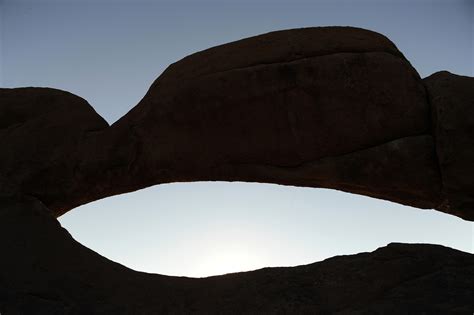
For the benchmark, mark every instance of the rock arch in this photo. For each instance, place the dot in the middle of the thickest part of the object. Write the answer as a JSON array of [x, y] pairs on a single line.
[[334, 107]]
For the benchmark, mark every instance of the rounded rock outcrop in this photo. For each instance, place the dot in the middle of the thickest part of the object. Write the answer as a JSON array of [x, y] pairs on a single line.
[[452, 106]]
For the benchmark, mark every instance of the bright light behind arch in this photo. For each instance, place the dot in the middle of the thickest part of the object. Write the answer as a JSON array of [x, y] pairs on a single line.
[[203, 229], [227, 260]]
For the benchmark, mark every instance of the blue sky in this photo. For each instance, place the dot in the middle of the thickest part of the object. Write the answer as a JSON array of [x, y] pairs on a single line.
[[109, 52]]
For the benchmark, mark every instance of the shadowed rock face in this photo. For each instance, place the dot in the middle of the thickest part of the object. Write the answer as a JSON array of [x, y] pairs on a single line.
[[333, 107], [41, 131], [452, 104]]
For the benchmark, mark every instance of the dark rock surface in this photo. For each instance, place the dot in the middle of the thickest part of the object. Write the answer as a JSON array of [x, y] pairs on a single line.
[[44, 271], [41, 130], [452, 103]]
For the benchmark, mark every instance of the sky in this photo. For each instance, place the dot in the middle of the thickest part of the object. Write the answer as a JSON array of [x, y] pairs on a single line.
[[109, 52]]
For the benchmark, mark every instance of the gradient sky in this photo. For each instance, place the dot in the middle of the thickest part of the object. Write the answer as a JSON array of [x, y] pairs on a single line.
[[109, 52]]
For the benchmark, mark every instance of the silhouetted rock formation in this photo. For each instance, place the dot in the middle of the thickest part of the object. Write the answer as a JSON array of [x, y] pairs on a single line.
[[334, 107], [42, 131], [44, 271], [452, 102], [321, 107]]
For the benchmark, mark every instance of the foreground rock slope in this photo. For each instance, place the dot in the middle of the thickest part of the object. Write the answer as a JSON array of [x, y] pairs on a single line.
[[44, 271]]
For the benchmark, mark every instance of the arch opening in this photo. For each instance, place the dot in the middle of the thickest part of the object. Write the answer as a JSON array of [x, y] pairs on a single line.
[[208, 228]]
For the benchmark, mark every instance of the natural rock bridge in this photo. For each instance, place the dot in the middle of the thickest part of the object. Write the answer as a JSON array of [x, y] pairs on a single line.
[[333, 107]]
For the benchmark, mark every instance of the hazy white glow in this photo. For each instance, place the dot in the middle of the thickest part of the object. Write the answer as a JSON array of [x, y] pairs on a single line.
[[226, 260], [202, 229]]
